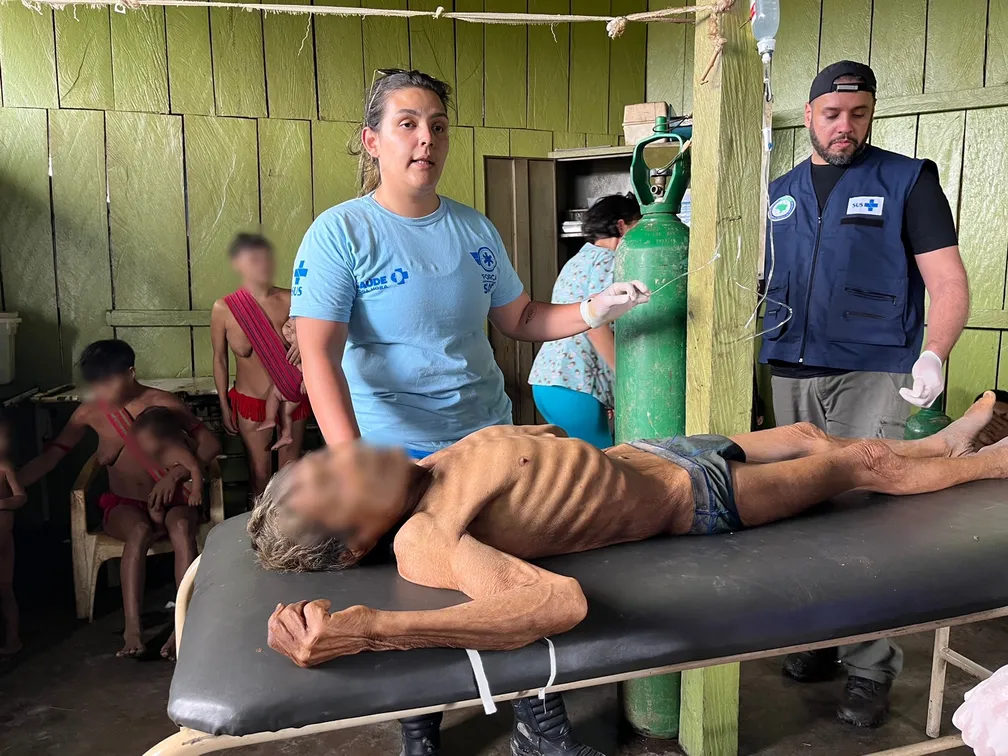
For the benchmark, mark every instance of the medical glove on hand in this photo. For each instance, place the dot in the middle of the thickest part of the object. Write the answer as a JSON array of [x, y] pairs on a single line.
[[614, 302], [928, 383], [983, 718]]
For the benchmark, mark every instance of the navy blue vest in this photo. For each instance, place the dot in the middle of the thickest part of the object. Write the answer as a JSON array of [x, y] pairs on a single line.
[[844, 291]]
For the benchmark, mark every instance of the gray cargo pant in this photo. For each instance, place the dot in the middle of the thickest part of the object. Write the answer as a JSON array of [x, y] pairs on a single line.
[[852, 405]]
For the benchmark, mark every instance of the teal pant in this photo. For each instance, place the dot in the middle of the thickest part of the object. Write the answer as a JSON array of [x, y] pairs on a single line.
[[580, 415]]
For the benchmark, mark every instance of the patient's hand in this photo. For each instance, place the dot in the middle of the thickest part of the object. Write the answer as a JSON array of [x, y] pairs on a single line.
[[308, 634]]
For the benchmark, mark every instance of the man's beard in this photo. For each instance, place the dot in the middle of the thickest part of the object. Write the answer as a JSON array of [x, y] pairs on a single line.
[[838, 159]]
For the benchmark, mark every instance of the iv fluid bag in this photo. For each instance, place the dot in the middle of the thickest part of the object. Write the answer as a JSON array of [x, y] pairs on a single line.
[[765, 18]]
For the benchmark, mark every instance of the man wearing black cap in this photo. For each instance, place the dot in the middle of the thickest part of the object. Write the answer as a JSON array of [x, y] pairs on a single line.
[[855, 237]]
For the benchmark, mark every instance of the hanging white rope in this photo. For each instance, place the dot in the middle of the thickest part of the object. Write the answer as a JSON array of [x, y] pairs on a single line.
[[615, 25]]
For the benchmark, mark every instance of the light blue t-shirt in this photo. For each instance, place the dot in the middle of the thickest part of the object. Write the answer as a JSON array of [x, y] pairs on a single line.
[[573, 363], [415, 293]]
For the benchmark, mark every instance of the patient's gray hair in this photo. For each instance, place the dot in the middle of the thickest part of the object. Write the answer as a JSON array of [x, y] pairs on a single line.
[[284, 541]]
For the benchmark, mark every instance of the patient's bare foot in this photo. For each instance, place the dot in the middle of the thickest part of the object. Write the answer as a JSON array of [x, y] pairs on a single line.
[[168, 649], [960, 437], [133, 645]]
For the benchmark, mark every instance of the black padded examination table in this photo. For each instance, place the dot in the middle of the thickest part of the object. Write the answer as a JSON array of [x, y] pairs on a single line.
[[866, 566]]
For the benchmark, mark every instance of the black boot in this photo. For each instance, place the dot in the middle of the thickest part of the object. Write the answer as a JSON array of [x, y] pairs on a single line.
[[421, 736], [812, 666], [865, 703], [541, 728]]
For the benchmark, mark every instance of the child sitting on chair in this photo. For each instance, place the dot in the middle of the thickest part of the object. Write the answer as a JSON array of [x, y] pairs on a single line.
[[277, 402], [12, 497], [160, 436]]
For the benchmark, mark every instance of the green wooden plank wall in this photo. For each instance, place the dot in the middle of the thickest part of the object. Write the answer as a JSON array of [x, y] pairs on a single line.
[[170, 129], [918, 47]]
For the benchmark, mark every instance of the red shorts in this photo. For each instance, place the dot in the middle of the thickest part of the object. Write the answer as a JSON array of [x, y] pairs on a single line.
[[254, 409], [109, 501]]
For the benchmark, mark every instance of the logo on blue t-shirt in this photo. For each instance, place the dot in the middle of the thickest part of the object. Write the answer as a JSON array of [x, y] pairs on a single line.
[[397, 277], [487, 260], [299, 272]]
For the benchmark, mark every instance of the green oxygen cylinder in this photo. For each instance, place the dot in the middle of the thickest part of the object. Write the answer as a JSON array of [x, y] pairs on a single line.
[[925, 422], [651, 366]]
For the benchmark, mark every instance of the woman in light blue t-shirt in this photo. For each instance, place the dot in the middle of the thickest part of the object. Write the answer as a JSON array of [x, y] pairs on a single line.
[[391, 292], [572, 379]]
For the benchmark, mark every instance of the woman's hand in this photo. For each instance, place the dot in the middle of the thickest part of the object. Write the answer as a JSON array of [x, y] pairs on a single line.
[[614, 302], [227, 417], [164, 490]]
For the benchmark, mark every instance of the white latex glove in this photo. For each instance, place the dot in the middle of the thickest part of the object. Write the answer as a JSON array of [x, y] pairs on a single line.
[[983, 718], [928, 381], [614, 302]]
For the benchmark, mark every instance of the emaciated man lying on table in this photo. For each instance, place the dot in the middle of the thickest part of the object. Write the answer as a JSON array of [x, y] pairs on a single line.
[[468, 517]]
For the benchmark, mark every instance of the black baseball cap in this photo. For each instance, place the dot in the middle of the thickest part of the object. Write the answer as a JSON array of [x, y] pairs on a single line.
[[825, 80]]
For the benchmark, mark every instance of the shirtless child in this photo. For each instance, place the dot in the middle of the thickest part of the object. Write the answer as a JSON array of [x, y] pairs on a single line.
[[12, 498], [160, 436], [276, 402], [116, 398]]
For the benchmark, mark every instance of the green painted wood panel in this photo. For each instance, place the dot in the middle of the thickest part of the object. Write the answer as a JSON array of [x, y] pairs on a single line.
[[432, 43], [802, 145], [626, 64], [845, 31], [940, 138], [983, 225], [236, 41], [666, 59], [600, 140], [290, 64], [955, 45], [590, 47], [996, 72], [190, 71], [26, 244], [548, 68], [80, 213], [161, 352], [27, 57], [334, 170], [782, 155], [528, 143], [140, 60], [469, 66], [203, 352], [896, 134], [566, 140], [972, 369], [84, 58], [1002, 376], [486, 143], [146, 211], [897, 46], [386, 40], [505, 68], [285, 186], [799, 36], [688, 55], [222, 172], [339, 62], [457, 178]]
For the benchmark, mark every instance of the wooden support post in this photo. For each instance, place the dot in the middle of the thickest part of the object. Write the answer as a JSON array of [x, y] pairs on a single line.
[[727, 113]]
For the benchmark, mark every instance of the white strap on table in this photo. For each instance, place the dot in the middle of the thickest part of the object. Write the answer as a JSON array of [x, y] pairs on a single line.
[[553, 670], [482, 684]]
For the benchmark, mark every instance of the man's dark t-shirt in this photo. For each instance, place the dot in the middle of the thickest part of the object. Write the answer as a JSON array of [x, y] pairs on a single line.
[[927, 225]]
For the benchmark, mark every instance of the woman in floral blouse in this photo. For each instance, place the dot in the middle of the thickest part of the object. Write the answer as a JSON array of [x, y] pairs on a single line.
[[572, 379]]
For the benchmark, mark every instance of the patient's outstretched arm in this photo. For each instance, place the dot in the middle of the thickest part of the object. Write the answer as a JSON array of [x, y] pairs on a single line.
[[513, 604]]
